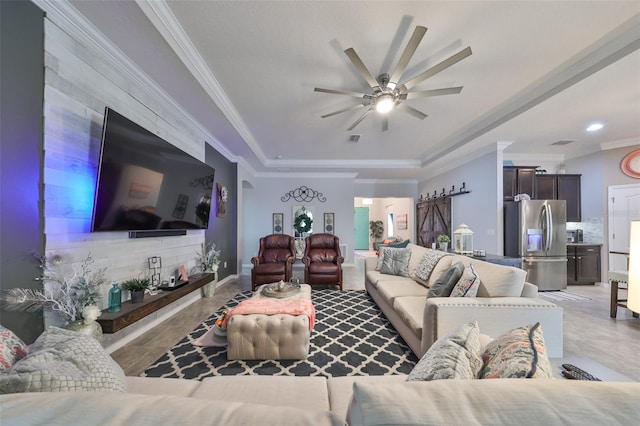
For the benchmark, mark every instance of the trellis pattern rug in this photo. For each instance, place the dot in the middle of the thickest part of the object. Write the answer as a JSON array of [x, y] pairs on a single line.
[[351, 337]]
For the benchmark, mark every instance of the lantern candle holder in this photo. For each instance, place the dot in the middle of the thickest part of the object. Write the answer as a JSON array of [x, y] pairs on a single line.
[[463, 240]]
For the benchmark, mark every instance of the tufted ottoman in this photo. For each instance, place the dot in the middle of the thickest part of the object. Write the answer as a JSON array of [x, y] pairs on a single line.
[[279, 336]]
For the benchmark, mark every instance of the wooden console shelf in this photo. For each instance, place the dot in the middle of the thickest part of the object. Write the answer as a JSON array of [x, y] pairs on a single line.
[[132, 312]]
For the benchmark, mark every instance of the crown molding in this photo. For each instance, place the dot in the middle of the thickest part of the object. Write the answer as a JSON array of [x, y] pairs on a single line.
[[63, 14], [163, 19], [615, 45], [342, 164], [623, 143], [534, 157]]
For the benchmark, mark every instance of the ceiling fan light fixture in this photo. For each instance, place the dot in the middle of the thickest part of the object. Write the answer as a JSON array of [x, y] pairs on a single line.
[[594, 127], [384, 103]]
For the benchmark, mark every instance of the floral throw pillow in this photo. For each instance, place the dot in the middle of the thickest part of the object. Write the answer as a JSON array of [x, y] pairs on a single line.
[[468, 284], [454, 356], [12, 349], [428, 262], [518, 353]]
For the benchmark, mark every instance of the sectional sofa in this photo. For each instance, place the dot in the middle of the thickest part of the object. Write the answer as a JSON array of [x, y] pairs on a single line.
[[365, 400], [504, 301]]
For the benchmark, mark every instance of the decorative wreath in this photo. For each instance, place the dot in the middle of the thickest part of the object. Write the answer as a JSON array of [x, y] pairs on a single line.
[[302, 223]]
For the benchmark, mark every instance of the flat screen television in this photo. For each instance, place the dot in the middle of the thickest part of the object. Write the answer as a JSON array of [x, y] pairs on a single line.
[[147, 184]]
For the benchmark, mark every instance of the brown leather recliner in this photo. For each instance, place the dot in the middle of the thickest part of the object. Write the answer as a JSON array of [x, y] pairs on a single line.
[[274, 261], [323, 260]]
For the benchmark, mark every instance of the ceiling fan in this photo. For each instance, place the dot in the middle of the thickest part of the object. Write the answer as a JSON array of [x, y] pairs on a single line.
[[387, 92]]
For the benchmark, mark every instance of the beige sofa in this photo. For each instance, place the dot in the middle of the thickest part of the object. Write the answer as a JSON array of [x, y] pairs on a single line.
[[504, 301], [365, 400]]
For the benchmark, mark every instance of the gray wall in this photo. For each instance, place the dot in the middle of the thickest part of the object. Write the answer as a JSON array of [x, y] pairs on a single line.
[[481, 209], [22, 70], [222, 229]]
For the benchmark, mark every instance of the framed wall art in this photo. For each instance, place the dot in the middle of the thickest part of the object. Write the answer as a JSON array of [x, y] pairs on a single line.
[[401, 221], [278, 225], [329, 223]]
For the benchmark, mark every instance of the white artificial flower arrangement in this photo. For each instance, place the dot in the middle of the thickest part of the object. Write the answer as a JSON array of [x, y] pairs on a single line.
[[67, 288], [209, 256]]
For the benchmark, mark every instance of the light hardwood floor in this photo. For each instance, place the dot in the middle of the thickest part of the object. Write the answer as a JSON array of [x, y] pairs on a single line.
[[588, 330]]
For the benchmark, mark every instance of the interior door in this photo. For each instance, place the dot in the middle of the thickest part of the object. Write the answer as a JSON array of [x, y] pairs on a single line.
[[361, 228], [624, 206]]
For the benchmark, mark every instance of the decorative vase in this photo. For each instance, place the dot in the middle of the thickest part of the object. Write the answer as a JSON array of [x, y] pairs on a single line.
[[444, 246], [115, 298], [208, 290], [137, 296], [88, 325]]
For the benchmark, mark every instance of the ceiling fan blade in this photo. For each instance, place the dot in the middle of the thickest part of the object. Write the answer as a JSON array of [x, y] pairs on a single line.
[[406, 56], [351, 108], [434, 92], [411, 111], [439, 67], [342, 92], [385, 123], [355, 59], [353, 126]]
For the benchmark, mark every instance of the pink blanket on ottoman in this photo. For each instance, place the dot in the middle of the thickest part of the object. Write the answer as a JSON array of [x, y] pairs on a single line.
[[275, 306]]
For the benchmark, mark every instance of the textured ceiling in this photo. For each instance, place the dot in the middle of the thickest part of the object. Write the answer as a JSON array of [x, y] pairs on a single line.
[[540, 72]]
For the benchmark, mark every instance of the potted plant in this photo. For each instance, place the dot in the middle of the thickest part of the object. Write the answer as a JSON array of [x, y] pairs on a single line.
[[377, 231], [136, 286], [444, 241]]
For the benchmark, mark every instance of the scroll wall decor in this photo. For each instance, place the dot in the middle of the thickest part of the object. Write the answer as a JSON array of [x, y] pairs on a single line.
[[303, 194]]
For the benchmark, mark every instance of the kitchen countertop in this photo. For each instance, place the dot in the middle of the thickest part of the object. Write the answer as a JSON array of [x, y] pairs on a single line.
[[584, 244]]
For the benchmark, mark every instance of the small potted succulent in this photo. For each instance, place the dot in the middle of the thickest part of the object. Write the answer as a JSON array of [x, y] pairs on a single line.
[[444, 240], [137, 287]]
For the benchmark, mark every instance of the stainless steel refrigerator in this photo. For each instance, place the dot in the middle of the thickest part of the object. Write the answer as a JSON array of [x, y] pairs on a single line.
[[535, 230]]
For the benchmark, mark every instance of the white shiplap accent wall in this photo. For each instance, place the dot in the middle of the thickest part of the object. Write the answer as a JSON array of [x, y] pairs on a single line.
[[79, 82]]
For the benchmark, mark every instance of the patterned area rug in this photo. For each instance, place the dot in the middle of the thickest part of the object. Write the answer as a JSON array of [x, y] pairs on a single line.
[[563, 296], [351, 337]]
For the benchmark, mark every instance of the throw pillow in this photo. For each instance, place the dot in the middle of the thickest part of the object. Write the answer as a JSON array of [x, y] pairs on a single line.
[[399, 244], [443, 286], [454, 356], [64, 360], [12, 349], [396, 261], [429, 261], [468, 284], [518, 353]]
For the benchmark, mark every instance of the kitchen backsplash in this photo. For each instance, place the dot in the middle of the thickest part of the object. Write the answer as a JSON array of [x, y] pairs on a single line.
[[591, 227]]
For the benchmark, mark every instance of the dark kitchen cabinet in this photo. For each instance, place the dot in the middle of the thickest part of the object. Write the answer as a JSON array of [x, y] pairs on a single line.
[[561, 187], [518, 180], [583, 264]]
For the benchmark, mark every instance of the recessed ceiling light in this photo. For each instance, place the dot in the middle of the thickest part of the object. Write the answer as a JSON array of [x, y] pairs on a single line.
[[595, 127]]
